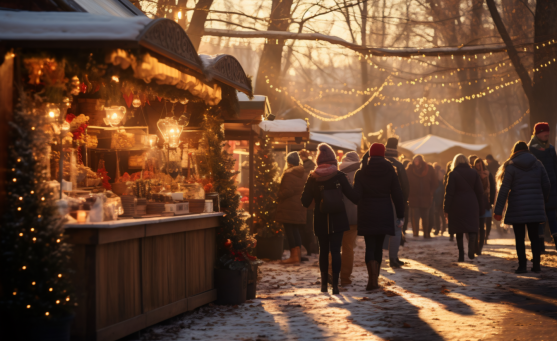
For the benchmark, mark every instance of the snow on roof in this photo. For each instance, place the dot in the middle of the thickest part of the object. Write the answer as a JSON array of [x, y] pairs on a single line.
[[332, 140], [242, 97], [108, 7], [432, 144], [295, 125], [68, 26], [351, 135]]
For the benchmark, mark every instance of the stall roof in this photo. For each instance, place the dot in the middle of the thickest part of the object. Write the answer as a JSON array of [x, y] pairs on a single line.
[[295, 130], [432, 144], [352, 135], [333, 141], [86, 30], [118, 8]]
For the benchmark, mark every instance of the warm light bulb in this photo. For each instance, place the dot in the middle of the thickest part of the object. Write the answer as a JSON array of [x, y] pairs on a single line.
[[51, 114], [114, 116], [180, 15], [24, 267]]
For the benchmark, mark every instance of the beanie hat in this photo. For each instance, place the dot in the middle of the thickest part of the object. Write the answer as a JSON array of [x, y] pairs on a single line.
[[293, 158], [351, 157], [326, 155], [377, 149], [520, 146], [489, 157], [541, 127], [392, 143]]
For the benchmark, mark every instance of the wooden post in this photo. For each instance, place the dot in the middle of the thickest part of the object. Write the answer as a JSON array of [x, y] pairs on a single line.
[[251, 177], [6, 108]]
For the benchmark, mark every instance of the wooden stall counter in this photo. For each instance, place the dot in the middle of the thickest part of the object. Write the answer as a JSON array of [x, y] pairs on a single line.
[[133, 273]]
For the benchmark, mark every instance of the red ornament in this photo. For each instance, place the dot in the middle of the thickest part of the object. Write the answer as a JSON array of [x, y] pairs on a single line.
[[228, 244]]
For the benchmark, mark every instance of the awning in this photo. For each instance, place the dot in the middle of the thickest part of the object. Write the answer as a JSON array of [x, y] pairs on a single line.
[[333, 141], [164, 38], [352, 135], [284, 131], [432, 144]]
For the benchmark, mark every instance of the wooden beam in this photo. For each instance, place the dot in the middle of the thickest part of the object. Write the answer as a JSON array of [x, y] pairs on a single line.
[[6, 109], [251, 177]]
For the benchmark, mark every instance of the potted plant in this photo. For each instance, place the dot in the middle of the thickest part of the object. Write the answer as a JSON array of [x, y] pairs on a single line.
[[36, 298], [232, 274]]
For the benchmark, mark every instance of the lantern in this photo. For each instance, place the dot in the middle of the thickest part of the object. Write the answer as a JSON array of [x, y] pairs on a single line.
[[171, 131], [114, 115], [136, 102], [52, 112]]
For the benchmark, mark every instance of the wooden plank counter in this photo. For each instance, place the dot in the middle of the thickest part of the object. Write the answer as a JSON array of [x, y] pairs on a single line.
[[133, 273]]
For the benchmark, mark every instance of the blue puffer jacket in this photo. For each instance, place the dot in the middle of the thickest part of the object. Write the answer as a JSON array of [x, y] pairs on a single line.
[[527, 187], [549, 161]]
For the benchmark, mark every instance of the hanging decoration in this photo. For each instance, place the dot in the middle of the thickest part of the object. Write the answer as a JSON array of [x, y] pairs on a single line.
[[428, 113]]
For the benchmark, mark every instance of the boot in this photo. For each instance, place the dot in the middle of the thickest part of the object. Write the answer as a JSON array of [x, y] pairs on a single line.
[[373, 271], [294, 256], [521, 269], [472, 245], [369, 267], [324, 282], [537, 268], [451, 238], [335, 283], [401, 263], [394, 264], [460, 256]]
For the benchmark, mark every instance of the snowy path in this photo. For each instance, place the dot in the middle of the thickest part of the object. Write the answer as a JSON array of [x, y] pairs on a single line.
[[432, 298]]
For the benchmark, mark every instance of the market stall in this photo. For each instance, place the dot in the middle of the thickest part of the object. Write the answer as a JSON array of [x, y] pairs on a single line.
[[439, 149], [132, 156]]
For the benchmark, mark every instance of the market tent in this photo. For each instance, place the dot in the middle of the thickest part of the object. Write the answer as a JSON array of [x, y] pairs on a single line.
[[436, 148], [333, 141], [355, 136]]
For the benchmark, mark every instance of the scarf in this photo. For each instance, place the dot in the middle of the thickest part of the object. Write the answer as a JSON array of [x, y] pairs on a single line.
[[538, 144], [389, 152], [324, 172]]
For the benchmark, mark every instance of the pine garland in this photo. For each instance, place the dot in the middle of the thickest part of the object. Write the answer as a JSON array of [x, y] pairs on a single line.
[[234, 240], [34, 257], [266, 189]]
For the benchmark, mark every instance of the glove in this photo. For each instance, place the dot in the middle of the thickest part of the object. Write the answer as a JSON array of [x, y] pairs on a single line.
[[497, 217], [399, 222]]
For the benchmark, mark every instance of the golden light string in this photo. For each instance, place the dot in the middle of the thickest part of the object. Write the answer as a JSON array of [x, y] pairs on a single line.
[[313, 112], [507, 129]]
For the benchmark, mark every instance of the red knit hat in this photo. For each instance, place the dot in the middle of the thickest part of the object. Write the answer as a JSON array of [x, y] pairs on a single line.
[[326, 155], [541, 127], [377, 149]]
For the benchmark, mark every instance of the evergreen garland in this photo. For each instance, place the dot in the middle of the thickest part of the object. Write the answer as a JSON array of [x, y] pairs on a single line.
[[234, 240], [34, 257], [266, 189]]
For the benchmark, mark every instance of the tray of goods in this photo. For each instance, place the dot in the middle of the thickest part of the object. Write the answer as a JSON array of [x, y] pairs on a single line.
[[122, 140]]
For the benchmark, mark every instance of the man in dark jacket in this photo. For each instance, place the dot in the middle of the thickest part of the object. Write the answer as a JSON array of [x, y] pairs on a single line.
[[393, 243], [541, 148], [492, 164], [422, 180]]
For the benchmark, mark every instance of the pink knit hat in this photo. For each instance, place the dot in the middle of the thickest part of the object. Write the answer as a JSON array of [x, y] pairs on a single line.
[[326, 155]]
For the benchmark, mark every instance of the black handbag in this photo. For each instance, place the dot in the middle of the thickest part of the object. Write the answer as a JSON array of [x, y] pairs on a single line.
[[331, 200]]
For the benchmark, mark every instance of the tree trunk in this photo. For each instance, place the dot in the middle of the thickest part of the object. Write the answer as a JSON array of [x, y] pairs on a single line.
[[367, 112], [271, 58], [542, 107], [198, 19]]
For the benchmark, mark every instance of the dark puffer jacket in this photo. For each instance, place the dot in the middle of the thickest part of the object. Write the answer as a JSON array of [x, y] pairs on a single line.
[[323, 223], [463, 196], [549, 161], [526, 186], [377, 187]]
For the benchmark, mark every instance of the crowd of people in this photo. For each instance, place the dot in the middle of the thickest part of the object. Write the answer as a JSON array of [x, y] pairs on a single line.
[[377, 195]]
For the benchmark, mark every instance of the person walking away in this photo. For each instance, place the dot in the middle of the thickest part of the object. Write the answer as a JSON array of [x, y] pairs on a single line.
[[492, 164], [439, 222], [540, 147], [481, 168], [462, 204], [289, 211], [392, 243], [405, 164], [379, 196], [491, 198], [525, 188], [349, 165], [308, 238], [325, 186], [421, 178], [445, 180]]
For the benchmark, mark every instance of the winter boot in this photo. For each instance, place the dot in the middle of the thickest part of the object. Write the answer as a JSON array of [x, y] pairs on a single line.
[[373, 271], [521, 269], [369, 267], [537, 268], [335, 283], [294, 256], [324, 282], [401, 263], [394, 264], [472, 245], [460, 256]]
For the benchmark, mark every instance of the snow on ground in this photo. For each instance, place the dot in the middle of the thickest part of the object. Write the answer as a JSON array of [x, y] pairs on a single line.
[[432, 298]]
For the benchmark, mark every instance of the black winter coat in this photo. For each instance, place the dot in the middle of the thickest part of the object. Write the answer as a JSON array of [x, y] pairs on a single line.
[[377, 188], [323, 223], [526, 186], [549, 160], [402, 178], [463, 200]]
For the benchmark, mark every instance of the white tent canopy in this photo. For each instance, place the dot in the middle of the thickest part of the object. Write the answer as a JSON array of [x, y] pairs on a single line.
[[280, 126], [333, 141], [350, 135], [431, 144]]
